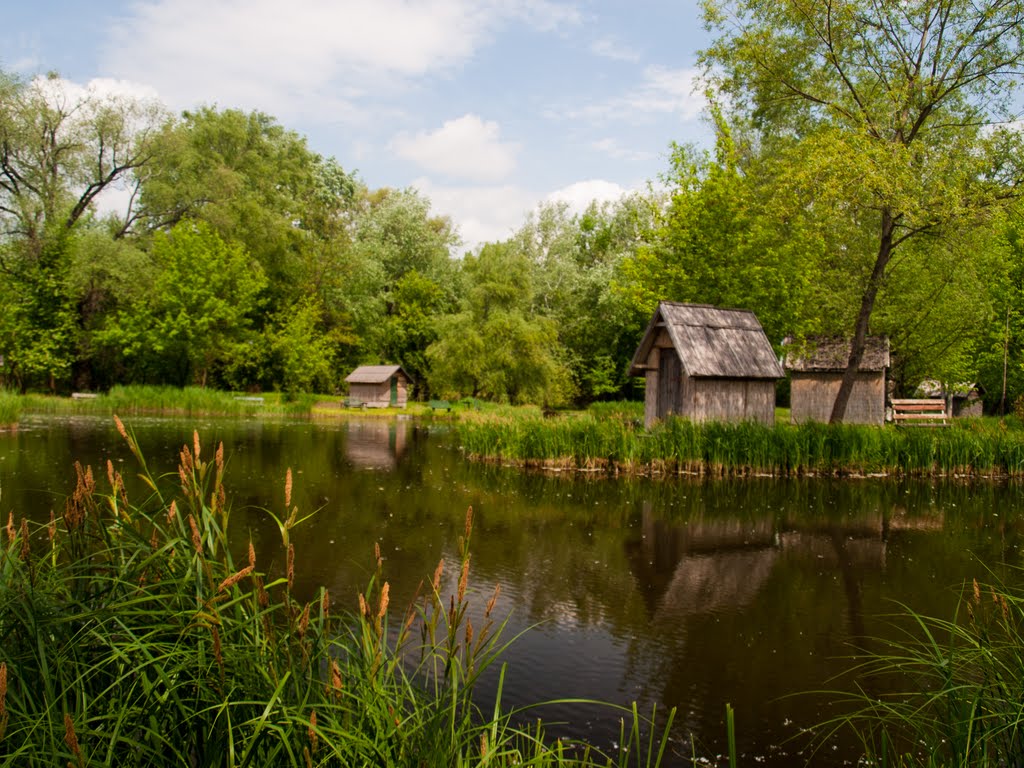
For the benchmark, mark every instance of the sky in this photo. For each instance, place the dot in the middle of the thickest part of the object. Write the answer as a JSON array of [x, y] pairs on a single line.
[[488, 107]]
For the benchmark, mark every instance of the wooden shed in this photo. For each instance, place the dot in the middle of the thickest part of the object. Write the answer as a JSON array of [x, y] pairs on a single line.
[[379, 386], [706, 364], [963, 399], [816, 369]]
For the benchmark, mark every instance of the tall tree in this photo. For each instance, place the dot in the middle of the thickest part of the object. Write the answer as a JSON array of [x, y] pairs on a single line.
[[892, 104]]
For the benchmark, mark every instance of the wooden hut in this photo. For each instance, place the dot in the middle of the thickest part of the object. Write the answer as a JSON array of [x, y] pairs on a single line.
[[379, 386], [816, 369], [963, 399], [706, 364]]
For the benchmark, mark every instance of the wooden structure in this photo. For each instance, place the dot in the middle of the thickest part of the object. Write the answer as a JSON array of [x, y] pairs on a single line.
[[816, 369], [378, 386], [706, 364], [963, 399], [920, 412]]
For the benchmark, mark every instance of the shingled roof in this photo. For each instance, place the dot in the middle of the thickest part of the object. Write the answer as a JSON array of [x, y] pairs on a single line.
[[374, 374], [711, 342], [830, 354]]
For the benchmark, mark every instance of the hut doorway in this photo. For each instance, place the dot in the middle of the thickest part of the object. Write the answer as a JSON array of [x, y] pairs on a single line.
[[670, 375], [394, 391]]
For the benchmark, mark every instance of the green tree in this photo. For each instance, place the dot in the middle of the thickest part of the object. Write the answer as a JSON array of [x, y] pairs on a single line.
[[890, 104], [195, 322]]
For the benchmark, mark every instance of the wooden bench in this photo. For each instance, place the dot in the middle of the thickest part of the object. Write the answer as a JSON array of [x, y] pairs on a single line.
[[920, 412], [353, 402], [440, 405]]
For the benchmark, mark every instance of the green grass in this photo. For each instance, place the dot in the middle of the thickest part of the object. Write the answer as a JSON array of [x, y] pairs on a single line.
[[946, 692], [131, 635], [10, 408], [610, 437]]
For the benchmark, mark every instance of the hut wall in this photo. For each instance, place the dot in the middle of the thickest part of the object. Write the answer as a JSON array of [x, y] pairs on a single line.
[[813, 395], [374, 395], [651, 388], [968, 407], [403, 393], [733, 400]]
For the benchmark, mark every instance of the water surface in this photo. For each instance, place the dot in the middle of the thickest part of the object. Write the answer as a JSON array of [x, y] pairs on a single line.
[[687, 593]]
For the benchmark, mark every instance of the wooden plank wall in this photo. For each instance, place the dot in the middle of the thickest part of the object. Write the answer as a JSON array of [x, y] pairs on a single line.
[[813, 394]]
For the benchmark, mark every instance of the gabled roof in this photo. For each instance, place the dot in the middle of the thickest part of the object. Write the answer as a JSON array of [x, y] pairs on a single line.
[[375, 374], [711, 342], [830, 354]]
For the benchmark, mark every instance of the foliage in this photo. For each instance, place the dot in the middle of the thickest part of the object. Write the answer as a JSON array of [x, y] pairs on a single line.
[[945, 692], [133, 635]]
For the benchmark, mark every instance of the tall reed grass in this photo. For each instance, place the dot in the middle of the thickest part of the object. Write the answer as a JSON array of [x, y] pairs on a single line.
[[946, 692], [130, 634], [10, 408], [610, 438], [187, 401]]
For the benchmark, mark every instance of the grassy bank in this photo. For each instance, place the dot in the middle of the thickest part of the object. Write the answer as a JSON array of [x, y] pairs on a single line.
[[133, 634], [10, 408], [610, 437]]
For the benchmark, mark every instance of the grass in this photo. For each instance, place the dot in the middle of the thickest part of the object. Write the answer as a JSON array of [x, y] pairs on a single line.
[[609, 437], [946, 692], [10, 408], [130, 634]]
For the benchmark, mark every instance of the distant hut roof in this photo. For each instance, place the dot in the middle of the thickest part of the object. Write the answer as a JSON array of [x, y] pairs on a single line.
[[711, 342], [831, 354], [374, 374], [934, 388]]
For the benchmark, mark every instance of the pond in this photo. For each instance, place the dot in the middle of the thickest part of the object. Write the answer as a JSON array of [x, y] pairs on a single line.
[[682, 592]]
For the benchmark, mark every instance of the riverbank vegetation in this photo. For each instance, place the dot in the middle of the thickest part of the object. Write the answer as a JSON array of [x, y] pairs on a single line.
[[309, 271], [610, 438], [143, 632]]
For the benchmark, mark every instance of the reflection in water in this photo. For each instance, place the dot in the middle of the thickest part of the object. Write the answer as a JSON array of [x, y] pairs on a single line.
[[690, 593]]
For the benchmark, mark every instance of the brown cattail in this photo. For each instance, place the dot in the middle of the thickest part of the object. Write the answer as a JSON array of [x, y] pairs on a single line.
[[219, 457], [252, 555], [336, 678], [197, 540], [376, 555], [25, 548], [977, 592], [172, 511], [3, 689], [291, 566], [120, 428], [233, 579], [312, 731], [494, 599], [363, 610], [469, 633], [385, 590], [70, 738], [469, 522], [304, 622], [325, 602], [195, 442], [261, 593], [463, 578], [288, 488], [11, 530], [437, 575], [110, 474]]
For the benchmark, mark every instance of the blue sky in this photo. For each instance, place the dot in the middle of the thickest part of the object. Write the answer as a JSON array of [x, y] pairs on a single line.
[[487, 106]]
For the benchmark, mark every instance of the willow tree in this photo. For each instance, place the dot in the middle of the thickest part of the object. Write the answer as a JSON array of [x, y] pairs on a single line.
[[895, 108]]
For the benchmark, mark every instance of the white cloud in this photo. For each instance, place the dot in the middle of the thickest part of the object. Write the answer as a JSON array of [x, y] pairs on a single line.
[[663, 91], [581, 194], [612, 148], [278, 57], [609, 48], [466, 148], [484, 214]]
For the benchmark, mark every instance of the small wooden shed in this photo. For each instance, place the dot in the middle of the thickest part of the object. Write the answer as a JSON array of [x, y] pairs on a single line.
[[706, 364], [379, 386], [963, 399], [816, 369]]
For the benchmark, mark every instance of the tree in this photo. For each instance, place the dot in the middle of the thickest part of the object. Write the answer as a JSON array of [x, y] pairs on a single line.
[[891, 105], [196, 319]]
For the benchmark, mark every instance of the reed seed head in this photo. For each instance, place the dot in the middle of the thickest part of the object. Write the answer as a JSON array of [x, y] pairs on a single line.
[[110, 474], [71, 738], [11, 530], [977, 592], [325, 602], [335, 677], [304, 622], [172, 511], [494, 599], [195, 442], [384, 597], [469, 633], [288, 488], [120, 428], [469, 522], [463, 579], [437, 575], [197, 540], [216, 646], [252, 555], [3, 688], [219, 458], [312, 731], [25, 548], [51, 529], [234, 578], [363, 610]]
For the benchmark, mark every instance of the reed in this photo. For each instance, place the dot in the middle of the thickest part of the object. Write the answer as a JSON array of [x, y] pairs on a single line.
[[10, 408], [609, 437], [132, 636], [187, 401], [945, 692]]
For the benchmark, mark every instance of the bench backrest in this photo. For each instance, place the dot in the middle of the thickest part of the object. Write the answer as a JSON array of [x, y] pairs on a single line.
[[924, 412]]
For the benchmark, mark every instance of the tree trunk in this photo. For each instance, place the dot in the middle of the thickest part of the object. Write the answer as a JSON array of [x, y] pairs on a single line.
[[867, 305]]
